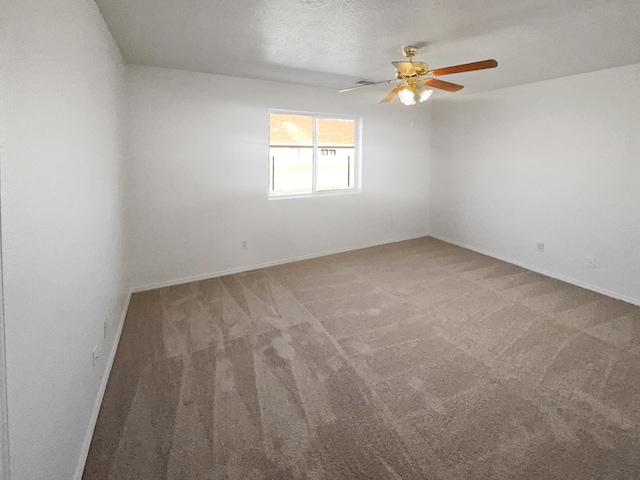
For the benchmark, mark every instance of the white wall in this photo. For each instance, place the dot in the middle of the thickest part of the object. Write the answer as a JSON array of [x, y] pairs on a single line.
[[554, 162], [199, 172], [62, 217]]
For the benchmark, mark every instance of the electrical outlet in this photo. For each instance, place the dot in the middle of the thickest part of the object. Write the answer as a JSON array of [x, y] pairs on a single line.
[[243, 244], [590, 262], [540, 247]]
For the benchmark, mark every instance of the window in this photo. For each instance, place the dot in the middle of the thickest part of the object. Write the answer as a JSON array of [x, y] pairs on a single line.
[[312, 154]]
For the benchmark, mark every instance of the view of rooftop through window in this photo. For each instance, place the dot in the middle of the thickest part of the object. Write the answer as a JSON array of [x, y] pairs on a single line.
[[311, 153]]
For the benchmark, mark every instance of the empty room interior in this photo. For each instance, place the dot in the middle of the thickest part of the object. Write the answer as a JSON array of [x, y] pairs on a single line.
[[319, 239]]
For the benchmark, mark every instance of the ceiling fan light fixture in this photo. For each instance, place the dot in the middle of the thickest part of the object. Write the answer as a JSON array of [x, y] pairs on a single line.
[[412, 94], [424, 94], [407, 96]]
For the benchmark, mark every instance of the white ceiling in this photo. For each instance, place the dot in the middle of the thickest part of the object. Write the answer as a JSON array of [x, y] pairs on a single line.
[[334, 43]]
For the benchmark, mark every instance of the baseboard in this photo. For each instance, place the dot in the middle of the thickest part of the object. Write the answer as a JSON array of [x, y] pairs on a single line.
[[103, 386], [248, 268], [547, 273]]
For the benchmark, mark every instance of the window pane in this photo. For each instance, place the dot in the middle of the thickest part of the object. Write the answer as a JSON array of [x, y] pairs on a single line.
[[290, 130], [291, 154], [290, 170], [336, 143]]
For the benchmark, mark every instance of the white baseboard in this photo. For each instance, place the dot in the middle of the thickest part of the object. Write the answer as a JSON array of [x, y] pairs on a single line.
[[103, 386], [248, 268], [557, 276]]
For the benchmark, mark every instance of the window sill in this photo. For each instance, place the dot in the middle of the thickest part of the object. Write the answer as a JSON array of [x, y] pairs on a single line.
[[327, 193]]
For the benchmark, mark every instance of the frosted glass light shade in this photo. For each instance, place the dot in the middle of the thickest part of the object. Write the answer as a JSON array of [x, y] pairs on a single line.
[[411, 94], [424, 94], [407, 96]]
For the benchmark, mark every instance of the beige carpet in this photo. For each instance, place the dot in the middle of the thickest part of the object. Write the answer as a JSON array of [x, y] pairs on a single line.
[[414, 360]]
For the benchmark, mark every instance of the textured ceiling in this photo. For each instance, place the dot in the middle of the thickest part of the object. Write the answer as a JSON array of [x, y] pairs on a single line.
[[335, 43]]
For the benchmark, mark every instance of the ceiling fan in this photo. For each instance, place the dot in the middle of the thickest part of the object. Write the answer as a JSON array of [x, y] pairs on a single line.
[[416, 75]]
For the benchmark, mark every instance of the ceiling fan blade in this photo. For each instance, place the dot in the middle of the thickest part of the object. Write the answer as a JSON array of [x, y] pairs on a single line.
[[368, 85], [467, 67], [406, 69], [391, 94], [442, 85]]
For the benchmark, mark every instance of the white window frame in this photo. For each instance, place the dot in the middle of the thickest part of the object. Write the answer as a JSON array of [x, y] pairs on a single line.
[[357, 154]]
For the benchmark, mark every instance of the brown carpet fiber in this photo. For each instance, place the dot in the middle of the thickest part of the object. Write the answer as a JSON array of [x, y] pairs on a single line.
[[414, 360]]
